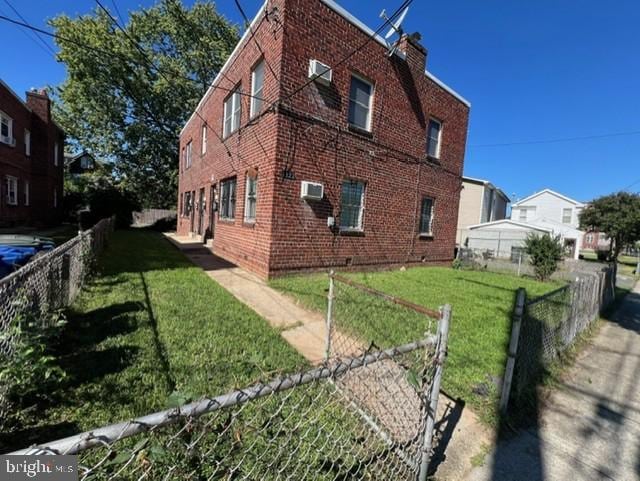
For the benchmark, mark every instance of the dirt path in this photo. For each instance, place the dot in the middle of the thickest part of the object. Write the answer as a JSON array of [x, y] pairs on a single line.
[[590, 428]]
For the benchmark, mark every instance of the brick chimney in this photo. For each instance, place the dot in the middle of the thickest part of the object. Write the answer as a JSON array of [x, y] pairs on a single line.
[[38, 101], [416, 53]]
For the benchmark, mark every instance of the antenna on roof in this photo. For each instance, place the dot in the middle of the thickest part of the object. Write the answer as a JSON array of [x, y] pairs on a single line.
[[396, 27]]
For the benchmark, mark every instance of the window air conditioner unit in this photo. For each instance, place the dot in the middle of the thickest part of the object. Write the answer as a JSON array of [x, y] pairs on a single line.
[[311, 191], [319, 72]]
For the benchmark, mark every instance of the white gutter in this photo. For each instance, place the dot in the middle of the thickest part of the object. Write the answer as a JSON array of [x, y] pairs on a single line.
[[227, 63]]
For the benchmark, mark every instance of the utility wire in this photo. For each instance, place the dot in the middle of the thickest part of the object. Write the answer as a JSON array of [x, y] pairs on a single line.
[[252, 35], [111, 54], [39, 41], [558, 140], [115, 6]]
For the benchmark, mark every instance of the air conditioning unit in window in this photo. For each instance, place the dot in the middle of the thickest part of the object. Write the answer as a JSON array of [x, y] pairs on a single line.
[[319, 72], [311, 191]]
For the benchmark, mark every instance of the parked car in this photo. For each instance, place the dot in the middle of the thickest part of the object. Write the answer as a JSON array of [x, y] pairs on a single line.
[[17, 250]]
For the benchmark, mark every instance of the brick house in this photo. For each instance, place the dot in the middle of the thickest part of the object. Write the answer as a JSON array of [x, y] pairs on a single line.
[[31, 159], [359, 169]]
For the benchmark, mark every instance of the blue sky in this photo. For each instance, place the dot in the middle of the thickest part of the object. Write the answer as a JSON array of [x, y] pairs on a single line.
[[533, 70]]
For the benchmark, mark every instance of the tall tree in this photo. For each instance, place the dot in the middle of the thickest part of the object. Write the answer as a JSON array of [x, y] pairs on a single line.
[[129, 91], [616, 215]]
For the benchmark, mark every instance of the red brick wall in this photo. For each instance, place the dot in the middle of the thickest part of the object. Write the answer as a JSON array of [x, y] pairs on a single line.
[[38, 168], [309, 137]]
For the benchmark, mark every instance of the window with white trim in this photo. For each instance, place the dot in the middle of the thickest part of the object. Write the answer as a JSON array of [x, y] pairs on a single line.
[[352, 205], [360, 98], [566, 215], [56, 151], [589, 238], [26, 193], [434, 134], [257, 87], [251, 198], [228, 199], [27, 142], [426, 216], [187, 158], [232, 110], [203, 148], [6, 128], [11, 190]]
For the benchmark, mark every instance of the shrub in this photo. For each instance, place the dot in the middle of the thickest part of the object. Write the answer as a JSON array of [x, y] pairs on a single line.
[[544, 253]]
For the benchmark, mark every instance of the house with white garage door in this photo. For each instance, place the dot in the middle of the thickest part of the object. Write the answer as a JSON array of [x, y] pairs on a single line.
[[546, 211]]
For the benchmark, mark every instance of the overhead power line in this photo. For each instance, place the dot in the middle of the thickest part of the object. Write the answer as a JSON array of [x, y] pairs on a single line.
[[30, 33], [558, 140]]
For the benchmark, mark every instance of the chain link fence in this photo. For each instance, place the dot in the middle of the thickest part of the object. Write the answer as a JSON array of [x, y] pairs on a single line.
[[49, 282], [365, 412], [548, 325]]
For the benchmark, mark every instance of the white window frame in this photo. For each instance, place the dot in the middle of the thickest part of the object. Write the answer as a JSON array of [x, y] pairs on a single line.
[[438, 140], [256, 90], [56, 149], [589, 238], [27, 201], [232, 112], [522, 214], [188, 160], [203, 147], [11, 184], [247, 218], [360, 226], [27, 142], [369, 107], [564, 212], [428, 232], [8, 139], [224, 185]]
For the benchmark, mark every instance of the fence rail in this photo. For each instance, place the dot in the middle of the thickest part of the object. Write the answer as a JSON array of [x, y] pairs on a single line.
[[49, 282], [366, 416]]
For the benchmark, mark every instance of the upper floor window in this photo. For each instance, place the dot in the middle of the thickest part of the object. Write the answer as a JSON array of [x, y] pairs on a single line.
[[522, 214], [187, 156], [426, 216], [26, 193], [434, 133], [228, 199], [12, 190], [203, 147], [232, 110], [56, 152], [6, 128], [27, 142], [589, 238], [352, 205], [566, 215], [360, 97], [251, 198], [257, 87]]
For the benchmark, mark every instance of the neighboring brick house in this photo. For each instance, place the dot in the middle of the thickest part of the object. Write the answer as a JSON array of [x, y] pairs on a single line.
[[31, 159], [382, 143], [596, 241]]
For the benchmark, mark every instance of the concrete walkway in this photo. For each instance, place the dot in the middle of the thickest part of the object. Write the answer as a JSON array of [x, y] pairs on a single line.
[[304, 330], [590, 428]]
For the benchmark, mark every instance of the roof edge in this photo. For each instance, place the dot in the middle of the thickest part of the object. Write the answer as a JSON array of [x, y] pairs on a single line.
[[548, 191], [510, 221]]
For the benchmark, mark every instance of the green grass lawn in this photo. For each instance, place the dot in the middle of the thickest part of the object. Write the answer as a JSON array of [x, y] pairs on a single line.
[[482, 304], [151, 323]]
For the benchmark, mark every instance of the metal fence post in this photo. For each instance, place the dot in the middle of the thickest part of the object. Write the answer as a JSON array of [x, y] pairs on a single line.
[[513, 349], [329, 321], [434, 391]]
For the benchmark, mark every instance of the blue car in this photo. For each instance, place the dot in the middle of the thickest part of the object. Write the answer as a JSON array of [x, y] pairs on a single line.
[[17, 250]]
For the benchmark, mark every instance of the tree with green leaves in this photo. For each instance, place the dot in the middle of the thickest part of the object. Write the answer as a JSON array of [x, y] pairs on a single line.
[[544, 253], [617, 216], [130, 88]]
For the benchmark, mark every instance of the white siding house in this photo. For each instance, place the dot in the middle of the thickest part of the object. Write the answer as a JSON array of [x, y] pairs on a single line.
[[550, 210]]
